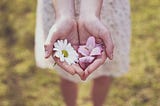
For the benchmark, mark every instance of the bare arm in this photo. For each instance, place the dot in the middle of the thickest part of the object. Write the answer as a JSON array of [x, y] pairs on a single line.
[[65, 27], [64, 8], [90, 20], [89, 24], [90, 8]]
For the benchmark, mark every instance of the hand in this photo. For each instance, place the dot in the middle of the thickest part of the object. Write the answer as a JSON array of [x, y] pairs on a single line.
[[91, 26], [64, 28]]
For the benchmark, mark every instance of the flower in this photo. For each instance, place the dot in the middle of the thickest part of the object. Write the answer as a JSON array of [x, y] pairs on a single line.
[[65, 52], [89, 51]]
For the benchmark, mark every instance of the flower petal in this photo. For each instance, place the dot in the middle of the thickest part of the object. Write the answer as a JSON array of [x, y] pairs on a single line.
[[61, 58], [90, 44], [69, 61], [87, 59], [56, 45], [62, 45], [83, 50], [65, 42], [96, 51], [58, 54], [55, 49]]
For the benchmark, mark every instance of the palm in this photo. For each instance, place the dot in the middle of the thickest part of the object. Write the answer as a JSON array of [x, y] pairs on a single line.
[[93, 27], [64, 29]]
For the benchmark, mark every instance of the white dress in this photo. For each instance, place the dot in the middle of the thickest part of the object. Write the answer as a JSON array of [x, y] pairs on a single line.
[[115, 15]]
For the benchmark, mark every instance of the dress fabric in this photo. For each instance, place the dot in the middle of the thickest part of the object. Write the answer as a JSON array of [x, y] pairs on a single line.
[[115, 15]]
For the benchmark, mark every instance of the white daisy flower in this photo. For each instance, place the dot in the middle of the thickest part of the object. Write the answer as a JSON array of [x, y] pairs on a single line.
[[65, 52]]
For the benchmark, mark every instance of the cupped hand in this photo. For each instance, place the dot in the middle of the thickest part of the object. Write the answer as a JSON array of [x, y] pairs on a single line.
[[64, 28], [91, 26]]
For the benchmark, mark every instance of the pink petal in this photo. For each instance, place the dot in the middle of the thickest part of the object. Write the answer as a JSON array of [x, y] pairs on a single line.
[[83, 50], [100, 46], [87, 59], [90, 43], [96, 51]]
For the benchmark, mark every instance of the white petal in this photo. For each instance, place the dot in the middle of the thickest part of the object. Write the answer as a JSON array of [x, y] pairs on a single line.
[[58, 54], [55, 49], [65, 42], [62, 58], [69, 46], [69, 61], [60, 44], [56, 45]]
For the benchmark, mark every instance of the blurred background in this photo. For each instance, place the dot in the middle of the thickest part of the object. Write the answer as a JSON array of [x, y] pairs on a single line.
[[23, 84]]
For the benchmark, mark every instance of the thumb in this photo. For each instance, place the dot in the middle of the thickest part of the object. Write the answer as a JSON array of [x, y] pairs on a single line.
[[48, 45], [48, 50], [105, 35], [108, 45]]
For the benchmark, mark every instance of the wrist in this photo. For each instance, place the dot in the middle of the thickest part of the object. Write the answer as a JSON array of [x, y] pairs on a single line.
[[65, 16], [64, 8], [65, 13], [90, 8], [89, 13], [66, 19], [87, 17]]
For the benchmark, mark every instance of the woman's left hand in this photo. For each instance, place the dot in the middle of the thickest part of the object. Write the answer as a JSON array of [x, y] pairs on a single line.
[[91, 26]]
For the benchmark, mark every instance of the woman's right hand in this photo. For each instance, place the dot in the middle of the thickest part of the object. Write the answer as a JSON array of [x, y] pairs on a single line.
[[64, 28]]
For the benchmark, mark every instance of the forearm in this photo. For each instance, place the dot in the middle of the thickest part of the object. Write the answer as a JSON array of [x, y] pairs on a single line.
[[64, 8], [90, 7]]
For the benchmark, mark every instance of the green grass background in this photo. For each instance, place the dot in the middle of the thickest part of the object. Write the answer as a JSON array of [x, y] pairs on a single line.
[[23, 84]]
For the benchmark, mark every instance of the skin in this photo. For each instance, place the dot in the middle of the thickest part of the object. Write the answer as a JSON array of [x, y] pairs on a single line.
[[69, 92], [89, 24], [100, 90], [66, 27]]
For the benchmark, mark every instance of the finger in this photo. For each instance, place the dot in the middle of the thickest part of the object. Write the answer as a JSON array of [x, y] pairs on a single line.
[[105, 35], [96, 63], [51, 39], [78, 70], [82, 65], [108, 44], [48, 50], [86, 74], [65, 66]]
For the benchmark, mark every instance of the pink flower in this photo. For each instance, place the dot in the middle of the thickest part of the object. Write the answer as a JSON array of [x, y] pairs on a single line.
[[89, 51]]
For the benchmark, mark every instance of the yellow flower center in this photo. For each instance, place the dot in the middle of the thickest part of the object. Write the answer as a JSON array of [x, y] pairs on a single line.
[[65, 53]]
